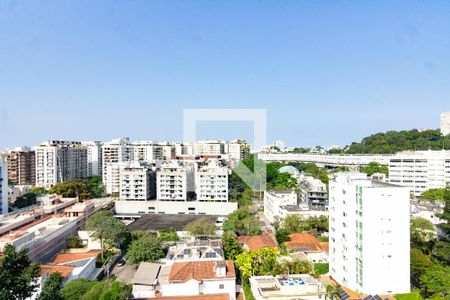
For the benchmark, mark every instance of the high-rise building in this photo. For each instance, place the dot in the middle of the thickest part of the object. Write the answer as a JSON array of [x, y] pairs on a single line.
[[3, 187], [420, 170], [238, 150], [211, 182], [94, 157], [137, 182], [209, 148], [116, 151], [313, 192], [59, 161], [369, 235], [21, 166], [445, 123], [171, 183], [144, 151]]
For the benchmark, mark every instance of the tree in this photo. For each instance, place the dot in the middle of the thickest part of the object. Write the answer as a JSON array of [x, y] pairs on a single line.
[[18, 277], [82, 188], [435, 281], [419, 262], [422, 231], [145, 249], [75, 289], [321, 268], [259, 262], [168, 234], [375, 167], [73, 242], [108, 229], [445, 216], [202, 227], [242, 222], [334, 291], [230, 246], [25, 200], [52, 286], [433, 195], [296, 266]]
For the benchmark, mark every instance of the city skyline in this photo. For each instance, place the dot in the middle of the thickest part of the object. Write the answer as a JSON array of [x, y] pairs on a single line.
[[326, 73]]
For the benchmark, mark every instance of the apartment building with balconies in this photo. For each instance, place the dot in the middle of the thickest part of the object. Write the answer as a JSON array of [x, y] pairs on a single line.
[[94, 157], [369, 235], [172, 183], [211, 182], [60, 161], [137, 182], [420, 170], [313, 192], [21, 166]]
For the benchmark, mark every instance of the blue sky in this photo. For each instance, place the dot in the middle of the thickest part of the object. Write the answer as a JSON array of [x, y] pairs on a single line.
[[328, 72]]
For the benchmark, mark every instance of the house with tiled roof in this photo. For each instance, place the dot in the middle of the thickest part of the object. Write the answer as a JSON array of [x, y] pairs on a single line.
[[308, 244], [186, 280], [256, 242]]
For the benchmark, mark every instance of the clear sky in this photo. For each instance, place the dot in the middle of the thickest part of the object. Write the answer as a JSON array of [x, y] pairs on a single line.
[[328, 72]]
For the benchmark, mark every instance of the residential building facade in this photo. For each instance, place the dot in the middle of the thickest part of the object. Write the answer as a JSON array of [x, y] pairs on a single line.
[[211, 181], [3, 186], [137, 182], [445, 123], [59, 161], [94, 158], [21, 166], [171, 183], [420, 170], [313, 192], [275, 200], [369, 235]]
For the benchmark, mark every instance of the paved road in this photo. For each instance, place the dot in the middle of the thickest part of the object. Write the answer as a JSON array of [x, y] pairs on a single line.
[[124, 273]]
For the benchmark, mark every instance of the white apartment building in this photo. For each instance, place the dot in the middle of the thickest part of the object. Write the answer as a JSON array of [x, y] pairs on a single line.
[[94, 157], [211, 183], [369, 235], [59, 161], [238, 150], [116, 151], [210, 148], [445, 123], [144, 151], [171, 183], [420, 170], [313, 192], [274, 201], [136, 182], [3, 186]]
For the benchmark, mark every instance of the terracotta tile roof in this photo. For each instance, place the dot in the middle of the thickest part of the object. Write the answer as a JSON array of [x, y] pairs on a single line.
[[325, 246], [257, 242], [199, 270], [303, 242], [199, 297], [64, 270], [68, 257]]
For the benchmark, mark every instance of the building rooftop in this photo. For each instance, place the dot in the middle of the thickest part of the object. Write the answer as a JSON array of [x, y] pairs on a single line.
[[303, 242], [63, 258], [199, 270], [301, 285], [257, 242], [64, 270], [146, 274]]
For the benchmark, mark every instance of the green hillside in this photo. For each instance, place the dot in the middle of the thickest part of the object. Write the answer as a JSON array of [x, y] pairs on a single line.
[[395, 141]]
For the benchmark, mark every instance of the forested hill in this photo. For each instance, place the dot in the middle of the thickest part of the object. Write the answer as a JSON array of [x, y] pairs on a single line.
[[395, 141]]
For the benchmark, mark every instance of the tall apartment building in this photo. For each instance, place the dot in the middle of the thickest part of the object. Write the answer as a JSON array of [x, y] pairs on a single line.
[[238, 150], [116, 151], [59, 161], [144, 151], [171, 183], [313, 192], [420, 170], [21, 166], [211, 183], [3, 186], [369, 235], [445, 123], [137, 182], [94, 157], [209, 148]]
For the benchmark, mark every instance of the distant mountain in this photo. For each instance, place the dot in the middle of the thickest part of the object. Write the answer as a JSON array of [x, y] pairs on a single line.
[[395, 141]]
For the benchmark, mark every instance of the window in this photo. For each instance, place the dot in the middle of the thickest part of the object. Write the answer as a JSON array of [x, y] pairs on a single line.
[[221, 286]]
